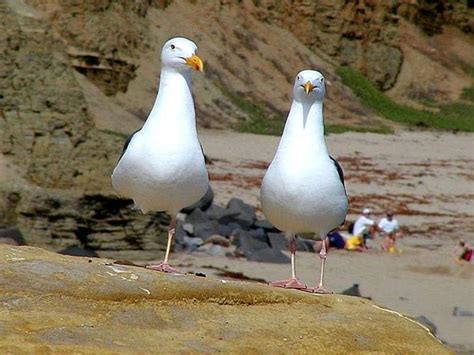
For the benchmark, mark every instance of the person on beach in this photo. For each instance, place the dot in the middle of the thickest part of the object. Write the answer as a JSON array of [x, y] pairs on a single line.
[[389, 230], [364, 226], [355, 243], [463, 252], [336, 240]]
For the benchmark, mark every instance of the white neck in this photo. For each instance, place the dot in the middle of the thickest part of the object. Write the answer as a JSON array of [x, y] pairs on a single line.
[[174, 104], [305, 125]]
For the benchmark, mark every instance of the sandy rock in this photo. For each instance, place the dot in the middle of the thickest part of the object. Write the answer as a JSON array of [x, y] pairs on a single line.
[[217, 239], [54, 303]]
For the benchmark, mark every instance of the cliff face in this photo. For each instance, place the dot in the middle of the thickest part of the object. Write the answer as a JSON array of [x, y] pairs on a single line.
[[46, 129], [362, 34], [78, 76], [366, 34]]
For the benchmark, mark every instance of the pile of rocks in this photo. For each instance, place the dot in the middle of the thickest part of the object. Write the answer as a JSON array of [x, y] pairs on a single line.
[[216, 229], [107, 226]]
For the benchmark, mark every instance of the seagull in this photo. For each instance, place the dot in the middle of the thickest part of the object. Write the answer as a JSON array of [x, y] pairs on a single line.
[[303, 189], [162, 165]]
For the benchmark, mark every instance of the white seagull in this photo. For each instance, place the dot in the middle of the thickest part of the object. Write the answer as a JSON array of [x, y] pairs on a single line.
[[303, 190], [162, 165]]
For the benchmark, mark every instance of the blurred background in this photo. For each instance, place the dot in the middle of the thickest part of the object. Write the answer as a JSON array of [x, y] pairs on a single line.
[[77, 77]]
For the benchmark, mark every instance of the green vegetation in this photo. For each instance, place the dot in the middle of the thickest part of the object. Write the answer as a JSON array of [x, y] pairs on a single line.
[[455, 117], [340, 128], [271, 127], [258, 122], [261, 123], [468, 94]]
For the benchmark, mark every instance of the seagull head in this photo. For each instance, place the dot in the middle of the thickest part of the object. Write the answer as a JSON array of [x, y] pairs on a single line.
[[180, 54], [309, 86]]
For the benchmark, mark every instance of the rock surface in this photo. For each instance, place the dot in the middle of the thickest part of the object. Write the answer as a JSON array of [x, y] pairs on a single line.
[[54, 303]]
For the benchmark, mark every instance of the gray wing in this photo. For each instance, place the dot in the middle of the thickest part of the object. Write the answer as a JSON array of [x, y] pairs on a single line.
[[127, 142], [207, 160], [340, 172]]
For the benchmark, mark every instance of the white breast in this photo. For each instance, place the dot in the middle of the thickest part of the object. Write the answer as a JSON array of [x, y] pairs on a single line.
[[161, 176], [304, 196]]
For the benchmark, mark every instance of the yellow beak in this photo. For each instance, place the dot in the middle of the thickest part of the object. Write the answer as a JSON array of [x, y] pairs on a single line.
[[308, 87], [195, 62]]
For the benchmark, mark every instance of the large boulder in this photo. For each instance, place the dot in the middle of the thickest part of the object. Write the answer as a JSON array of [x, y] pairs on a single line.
[[255, 247], [238, 212], [62, 304]]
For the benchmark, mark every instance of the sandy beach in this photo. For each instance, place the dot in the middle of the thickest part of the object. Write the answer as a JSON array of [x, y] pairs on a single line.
[[426, 178]]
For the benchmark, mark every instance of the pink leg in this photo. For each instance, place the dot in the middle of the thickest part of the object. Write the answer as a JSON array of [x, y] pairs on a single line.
[[320, 288], [293, 282], [164, 266]]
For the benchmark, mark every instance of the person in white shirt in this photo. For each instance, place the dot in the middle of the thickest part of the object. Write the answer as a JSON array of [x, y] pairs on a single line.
[[388, 225], [363, 225], [390, 230]]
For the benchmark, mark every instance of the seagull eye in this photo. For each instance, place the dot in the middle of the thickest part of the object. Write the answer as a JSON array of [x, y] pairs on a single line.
[[298, 77], [322, 79], [173, 46]]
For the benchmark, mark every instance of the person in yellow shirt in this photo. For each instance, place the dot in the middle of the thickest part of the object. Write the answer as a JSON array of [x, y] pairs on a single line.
[[355, 243]]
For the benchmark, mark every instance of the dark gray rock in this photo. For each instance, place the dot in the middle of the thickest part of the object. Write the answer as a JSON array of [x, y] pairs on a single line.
[[188, 228], [239, 205], [179, 235], [352, 291], [78, 251], [203, 204], [197, 217], [256, 249], [215, 212], [266, 225], [205, 230], [269, 255], [225, 230], [259, 234], [235, 227], [278, 240], [239, 212], [191, 244], [427, 323], [11, 236], [232, 217], [246, 242], [459, 312]]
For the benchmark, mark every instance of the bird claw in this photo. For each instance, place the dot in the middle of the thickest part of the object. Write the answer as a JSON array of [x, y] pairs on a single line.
[[320, 290], [164, 267], [292, 283]]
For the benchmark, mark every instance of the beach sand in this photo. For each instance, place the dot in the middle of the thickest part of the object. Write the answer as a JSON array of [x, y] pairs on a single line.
[[425, 178]]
